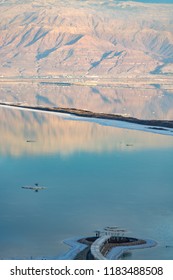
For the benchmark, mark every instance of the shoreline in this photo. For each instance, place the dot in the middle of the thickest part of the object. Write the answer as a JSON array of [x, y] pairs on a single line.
[[103, 81], [151, 124]]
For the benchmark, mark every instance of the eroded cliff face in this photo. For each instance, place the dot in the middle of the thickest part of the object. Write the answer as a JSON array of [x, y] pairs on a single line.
[[40, 133], [107, 38]]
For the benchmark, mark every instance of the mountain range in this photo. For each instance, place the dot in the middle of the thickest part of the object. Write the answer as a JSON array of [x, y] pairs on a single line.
[[85, 38]]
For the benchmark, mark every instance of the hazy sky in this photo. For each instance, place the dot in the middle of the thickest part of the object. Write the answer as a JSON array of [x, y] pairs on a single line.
[[155, 1]]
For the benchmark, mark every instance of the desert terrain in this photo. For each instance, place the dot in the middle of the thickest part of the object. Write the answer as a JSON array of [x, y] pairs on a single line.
[[81, 40]]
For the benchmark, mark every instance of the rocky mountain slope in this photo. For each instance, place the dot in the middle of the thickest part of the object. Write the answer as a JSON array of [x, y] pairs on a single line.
[[96, 38]]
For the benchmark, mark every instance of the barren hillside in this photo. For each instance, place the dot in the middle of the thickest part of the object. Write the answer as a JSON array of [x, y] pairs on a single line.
[[42, 38]]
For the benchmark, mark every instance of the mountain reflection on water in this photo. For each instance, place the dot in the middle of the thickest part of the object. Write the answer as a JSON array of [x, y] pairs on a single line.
[[94, 176], [25, 132], [142, 102]]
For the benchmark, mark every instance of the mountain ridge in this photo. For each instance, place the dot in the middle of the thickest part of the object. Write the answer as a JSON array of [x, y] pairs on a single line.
[[85, 38]]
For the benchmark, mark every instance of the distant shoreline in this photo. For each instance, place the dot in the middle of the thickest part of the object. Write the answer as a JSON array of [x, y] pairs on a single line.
[[153, 124], [106, 81]]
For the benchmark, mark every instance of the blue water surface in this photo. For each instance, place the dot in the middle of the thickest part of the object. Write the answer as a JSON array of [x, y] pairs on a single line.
[[86, 190]]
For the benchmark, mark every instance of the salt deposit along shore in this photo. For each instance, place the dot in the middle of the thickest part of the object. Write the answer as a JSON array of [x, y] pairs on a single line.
[[154, 126]]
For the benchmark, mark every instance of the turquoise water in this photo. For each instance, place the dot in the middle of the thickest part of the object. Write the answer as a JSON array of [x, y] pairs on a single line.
[[88, 186]]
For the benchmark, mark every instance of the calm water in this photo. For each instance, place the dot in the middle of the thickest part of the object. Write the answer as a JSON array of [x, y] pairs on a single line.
[[147, 102], [95, 176]]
